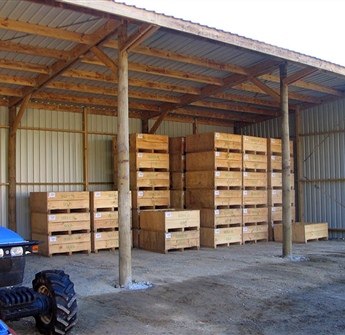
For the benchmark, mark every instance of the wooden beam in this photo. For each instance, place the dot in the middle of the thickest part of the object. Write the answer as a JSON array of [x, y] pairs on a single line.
[[265, 88], [85, 112], [24, 66], [105, 59], [16, 80], [195, 126], [35, 29], [20, 114], [100, 34], [299, 140], [12, 207], [230, 81], [143, 32], [300, 75]]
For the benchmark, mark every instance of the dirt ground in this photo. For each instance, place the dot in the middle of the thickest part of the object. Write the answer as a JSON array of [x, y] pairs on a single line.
[[238, 290]]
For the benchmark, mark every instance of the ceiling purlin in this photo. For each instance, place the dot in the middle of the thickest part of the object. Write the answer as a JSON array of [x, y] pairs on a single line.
[[265, 88], [230, 81], [299, 75], [98, 36]]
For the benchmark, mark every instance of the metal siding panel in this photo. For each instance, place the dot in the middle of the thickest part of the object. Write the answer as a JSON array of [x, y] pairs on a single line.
[[324, 158]]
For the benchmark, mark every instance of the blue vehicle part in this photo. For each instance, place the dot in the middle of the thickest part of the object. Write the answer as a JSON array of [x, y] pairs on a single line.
[[3, 329]]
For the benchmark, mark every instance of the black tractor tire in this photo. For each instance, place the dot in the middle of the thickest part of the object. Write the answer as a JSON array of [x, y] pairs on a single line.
[[62, 314]]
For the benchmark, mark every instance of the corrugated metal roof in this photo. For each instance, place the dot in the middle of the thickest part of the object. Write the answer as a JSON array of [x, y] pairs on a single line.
[[168, 62]]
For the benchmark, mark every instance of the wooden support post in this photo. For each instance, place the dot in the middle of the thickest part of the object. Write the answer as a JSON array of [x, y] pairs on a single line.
[[12, 223], [125, 245], [145, 126], [195, 126], [300, 185], [86, 149], [284, 103]]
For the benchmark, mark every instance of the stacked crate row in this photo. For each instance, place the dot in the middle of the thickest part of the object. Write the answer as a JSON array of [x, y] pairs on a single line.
[[149, 175], [255, 209], [214, 185], [165, 230], [104, 220], [275, 191], [61, 220], [177, 162]]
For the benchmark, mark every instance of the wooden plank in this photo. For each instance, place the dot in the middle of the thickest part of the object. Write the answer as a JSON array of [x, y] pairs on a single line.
[[255, 162], [177, 145], [104, 240], [215, 218], [150, 199], [213, 237], [163, 242], [254, 197], [104, 199], [302, 232], [213, 160], [213, 179], [153, 142], [199, 198], [104, 220], [42, 202], [177, 180], [167, 220], [42, 223], [213, 142], [255, 233], [149, 179], [177, 199], [58, 244], [275, 198], [255, 215], [254, 144], [144, 160], [177, 163], [255, 179]]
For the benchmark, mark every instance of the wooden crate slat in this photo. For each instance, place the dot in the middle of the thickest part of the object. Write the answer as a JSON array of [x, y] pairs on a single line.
[[104, 220], [254, 179], [256, 215], [213, 237], [213, 179], [212, 218], [255, 233], [149, 142], [177, 163], [42, 223], [150, 198], [177, 199], [199, 198], [104, 240], [254, 197], [177, 145], [103, 199], [254, 144], [177, 180]]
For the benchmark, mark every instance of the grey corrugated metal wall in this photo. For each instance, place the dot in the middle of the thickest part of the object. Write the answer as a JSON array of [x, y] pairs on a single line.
[[323, 138], [3, 166]]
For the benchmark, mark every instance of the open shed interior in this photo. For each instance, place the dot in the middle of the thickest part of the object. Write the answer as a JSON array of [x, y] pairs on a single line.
[[59, 89]]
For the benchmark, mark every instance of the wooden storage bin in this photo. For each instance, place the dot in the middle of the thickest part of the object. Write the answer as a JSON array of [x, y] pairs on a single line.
[[159, 241], [167, 220], [104, 240], [149, 179], [177, 180], [255, 215], [178, 199], [275, 163], [255, 233], [149, 142], [150, 199], [254, 197], [276, 214], [275, 198], [57, 244], [213, 160], [103, 200], [177, 145], [255, 180], [217, 218], [48, 202], [213, 179], [213, 141], [302, 232], [255, 162], [199, 198], [147, 160], [177, 163], [275, 146], [213, 237], [43, 223], [104, 220], [254, 144]]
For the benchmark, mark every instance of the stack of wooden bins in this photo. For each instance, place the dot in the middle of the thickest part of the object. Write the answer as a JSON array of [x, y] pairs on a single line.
[[104, 220], [275, 192], [213, 185], [149, 175], [255, 210], [62, 221], [167, 230], [177, 159]]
